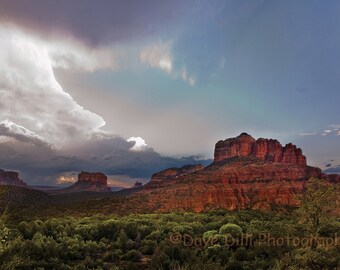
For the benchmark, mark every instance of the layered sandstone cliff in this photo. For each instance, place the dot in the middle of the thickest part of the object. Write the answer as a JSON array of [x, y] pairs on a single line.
[[246, 173]]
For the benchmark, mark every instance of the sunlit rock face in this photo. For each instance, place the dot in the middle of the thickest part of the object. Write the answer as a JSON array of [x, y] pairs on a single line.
[[10, 178], [268, 150], [234, 147], [246, 173]]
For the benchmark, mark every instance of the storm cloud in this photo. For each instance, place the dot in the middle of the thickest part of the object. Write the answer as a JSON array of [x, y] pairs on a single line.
[[44, 132], [40, 164], [105, 21]]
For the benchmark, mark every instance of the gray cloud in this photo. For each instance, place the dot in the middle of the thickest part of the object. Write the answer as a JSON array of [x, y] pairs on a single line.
[[10, 129], [94, 22], [32, 98]]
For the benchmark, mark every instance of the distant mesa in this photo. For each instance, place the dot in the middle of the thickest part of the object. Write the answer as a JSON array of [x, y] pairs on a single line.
[[246, 173], [10, 178], [94, 178], [89, 181]]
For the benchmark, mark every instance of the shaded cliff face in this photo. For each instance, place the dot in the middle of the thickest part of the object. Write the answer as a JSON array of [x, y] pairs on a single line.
[[10, 178], [265, 149], [246, 173]]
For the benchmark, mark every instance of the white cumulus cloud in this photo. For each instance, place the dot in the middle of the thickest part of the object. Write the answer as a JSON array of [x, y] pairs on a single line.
[[31, 97], [139, 143]]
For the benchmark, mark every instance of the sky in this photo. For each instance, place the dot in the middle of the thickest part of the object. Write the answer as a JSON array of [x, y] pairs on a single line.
[[132, 87]]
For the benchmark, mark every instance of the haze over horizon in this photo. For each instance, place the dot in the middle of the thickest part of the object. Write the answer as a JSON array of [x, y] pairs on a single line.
[[132, 87]]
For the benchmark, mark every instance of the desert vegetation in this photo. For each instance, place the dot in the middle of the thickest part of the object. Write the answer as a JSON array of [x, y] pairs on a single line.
[[303, 238]]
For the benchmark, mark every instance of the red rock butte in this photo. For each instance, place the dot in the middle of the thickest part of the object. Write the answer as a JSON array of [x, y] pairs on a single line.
[[10, 178], [268, 150], [98, 178], [88, 181], [246, 173]]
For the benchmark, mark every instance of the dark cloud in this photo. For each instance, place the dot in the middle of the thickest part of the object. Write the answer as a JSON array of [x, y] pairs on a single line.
[[39, 164], [93, 21]]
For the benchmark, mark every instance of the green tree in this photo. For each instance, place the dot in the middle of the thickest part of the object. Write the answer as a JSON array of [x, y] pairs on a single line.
[[318, 202], [122, 240], [11, 254], [231, 229]]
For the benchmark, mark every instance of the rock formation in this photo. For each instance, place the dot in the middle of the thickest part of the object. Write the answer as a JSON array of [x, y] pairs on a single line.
[[264, 149], [10, 178], [246, 173], [173, 173], [95, 178], [89, 181]]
